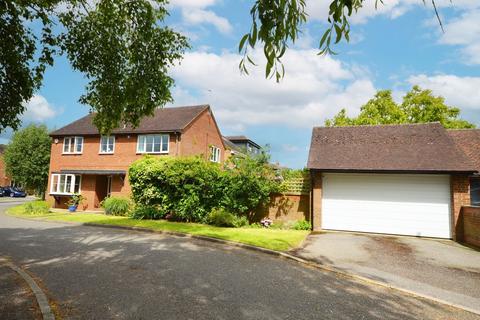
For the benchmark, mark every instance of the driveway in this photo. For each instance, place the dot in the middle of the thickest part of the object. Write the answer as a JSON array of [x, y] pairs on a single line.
[[439, 268], [98, 273]]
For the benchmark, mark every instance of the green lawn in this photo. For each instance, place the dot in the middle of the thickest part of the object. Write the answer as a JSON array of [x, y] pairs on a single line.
[[281, 240]]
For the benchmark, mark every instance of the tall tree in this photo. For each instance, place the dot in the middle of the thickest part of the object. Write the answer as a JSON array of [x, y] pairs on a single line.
[[418, 106], [27, 158], [121, 46]]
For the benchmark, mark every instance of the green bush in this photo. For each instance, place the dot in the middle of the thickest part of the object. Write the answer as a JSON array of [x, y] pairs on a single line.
[[147, 212], [117, 206], [223, 218], [302, 225], [188, 188], [36, 207]]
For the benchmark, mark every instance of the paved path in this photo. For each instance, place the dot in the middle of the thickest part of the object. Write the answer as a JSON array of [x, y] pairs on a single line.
[[96, 273], [438, 268]]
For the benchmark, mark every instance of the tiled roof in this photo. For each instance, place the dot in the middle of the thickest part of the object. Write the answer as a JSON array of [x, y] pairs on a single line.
[[411, 147], [468, 140], [164, 120]]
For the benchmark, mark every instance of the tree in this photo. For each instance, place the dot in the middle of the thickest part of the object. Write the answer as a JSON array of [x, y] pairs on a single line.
[[120, 46], [418, 106], [27, 158], [276, 24]]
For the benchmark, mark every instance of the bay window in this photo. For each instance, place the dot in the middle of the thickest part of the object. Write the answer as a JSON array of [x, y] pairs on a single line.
[[65, 183], [73, 145]]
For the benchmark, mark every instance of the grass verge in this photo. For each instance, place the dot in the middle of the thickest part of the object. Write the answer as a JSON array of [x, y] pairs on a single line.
[[281, 240]]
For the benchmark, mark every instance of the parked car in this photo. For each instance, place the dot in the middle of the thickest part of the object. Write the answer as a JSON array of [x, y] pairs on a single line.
[[14, 192], [1, 192]]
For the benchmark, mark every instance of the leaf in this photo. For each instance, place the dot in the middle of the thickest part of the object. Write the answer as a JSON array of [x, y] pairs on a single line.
[[242, 42], [338, 30], [325, 35]]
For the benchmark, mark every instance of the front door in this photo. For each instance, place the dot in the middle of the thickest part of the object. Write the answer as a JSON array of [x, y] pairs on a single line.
[[103, 188]]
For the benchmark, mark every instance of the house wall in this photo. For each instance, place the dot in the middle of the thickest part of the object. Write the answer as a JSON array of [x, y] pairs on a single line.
[[460, 191], [470, 220], [200, 135], [285, 207], [4, 180]]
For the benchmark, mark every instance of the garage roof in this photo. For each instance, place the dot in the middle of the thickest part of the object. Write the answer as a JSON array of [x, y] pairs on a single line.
[[468, 140], [389, 148]]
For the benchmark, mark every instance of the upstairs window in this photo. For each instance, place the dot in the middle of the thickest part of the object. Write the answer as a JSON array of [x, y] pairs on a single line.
[[72, 145], [153, 143], [65, 183], [214, 154], [107, 144]]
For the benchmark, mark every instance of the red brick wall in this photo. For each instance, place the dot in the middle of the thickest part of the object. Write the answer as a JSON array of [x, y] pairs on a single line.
[[200, 135], [286, 207], [470, 218], [316, 200], [460, 190], [4, 180]]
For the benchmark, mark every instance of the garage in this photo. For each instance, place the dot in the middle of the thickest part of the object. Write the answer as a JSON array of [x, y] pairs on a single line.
[[407, 179], [403, 204]]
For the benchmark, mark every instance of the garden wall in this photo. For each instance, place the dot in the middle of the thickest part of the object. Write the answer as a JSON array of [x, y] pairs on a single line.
[[470, 218], [285, 207]]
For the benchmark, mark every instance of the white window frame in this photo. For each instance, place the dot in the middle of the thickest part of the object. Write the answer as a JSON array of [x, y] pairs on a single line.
[[72, 149], [144, 145], [215, 154], [107, 143], [73, 178]]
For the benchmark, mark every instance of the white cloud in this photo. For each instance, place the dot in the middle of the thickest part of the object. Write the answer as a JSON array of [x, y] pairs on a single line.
[[464, 31], [314, 88], [194, 12], [200, 16], [462, 92], [38, 109]]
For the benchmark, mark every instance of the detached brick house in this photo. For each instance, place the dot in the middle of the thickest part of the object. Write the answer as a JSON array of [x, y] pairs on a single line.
[[394, 179], [83, 161]]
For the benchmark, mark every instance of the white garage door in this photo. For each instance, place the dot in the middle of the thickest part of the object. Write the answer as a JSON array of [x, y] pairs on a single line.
[[417, 205]]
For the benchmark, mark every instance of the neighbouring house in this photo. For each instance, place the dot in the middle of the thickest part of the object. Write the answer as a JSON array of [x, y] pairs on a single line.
[[83, 161], [4, 179], [396, 179], [244, 144]]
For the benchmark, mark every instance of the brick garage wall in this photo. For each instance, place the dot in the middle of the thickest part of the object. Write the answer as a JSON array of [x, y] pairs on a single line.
[[316, 201], [470, 219], [4, 180], [285, 207], [460, 192]]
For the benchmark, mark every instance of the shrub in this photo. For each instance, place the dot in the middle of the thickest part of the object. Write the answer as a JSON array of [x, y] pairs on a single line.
[[240, 222], [302, 225], [221, 218], [248, 183], [36, 207], [188, 188], [147, 212], [116, 206]]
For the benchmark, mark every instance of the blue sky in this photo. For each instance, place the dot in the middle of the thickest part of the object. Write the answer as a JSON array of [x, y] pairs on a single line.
[[394, 47]]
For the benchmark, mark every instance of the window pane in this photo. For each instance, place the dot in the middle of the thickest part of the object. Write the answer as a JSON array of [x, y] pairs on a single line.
[[79, 141], [141, 144], [76, 188], [103, 144], [475, 192], [68, 184], [165, 139], [149, 144], [61, 188], [54, 187], [66, 142]]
